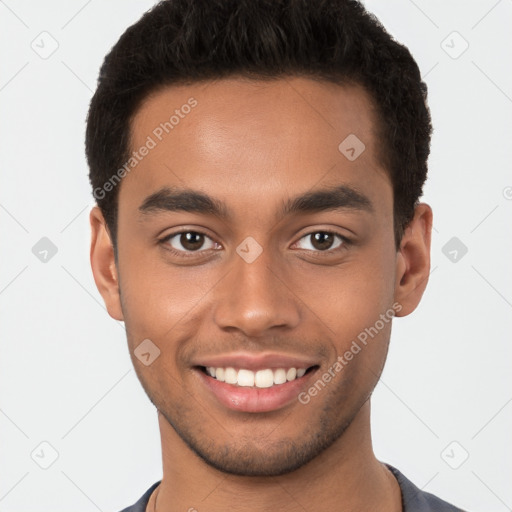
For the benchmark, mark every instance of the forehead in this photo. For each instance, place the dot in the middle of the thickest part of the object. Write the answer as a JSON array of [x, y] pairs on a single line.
[[245, 141]]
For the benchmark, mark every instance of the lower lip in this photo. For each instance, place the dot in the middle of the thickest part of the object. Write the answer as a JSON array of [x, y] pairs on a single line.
[[252, 399]]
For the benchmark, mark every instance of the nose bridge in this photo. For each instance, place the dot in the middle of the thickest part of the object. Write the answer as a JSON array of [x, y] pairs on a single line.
[[252, 298]]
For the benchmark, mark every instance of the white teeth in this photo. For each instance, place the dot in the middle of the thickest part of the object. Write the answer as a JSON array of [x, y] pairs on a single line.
[[246, 378], [279, 376], [260, 379], [291, 374], [230, 376], [264, 378]]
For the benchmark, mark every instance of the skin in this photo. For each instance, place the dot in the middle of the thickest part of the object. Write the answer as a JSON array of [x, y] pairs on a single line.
[[254, 145]]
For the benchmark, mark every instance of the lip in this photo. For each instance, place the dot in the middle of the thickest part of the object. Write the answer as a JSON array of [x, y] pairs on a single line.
[[257, 362], [252, 399]]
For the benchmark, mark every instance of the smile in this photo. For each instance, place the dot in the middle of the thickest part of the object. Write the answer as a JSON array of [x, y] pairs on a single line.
[[255, 391], [265, 378]]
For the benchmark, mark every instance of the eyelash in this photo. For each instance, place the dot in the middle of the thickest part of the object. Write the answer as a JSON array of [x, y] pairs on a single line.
[[189, 254]]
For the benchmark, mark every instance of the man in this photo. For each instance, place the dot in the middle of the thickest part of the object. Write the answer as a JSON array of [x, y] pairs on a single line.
[[257, 167]]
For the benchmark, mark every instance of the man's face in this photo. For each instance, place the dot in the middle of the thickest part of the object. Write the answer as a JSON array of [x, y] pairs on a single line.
[[195, 283]]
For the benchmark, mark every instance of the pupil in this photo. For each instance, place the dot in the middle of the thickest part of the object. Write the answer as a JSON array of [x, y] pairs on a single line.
[[190, 240], [322, 240]]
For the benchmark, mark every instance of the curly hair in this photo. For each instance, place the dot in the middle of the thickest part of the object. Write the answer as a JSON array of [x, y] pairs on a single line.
[[338, 41]]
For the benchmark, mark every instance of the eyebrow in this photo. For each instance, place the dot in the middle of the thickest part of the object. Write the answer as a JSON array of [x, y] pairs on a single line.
[[342, 197]]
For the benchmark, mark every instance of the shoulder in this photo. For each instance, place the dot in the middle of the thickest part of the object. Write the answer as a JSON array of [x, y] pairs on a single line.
[[141, 504], [413, 498], [416, 500]]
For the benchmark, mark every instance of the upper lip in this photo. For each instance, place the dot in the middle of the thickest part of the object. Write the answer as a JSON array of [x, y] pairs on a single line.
[[256, 362]]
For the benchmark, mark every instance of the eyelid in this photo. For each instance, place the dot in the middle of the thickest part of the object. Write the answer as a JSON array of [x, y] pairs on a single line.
[[164, 240], [344, 241]]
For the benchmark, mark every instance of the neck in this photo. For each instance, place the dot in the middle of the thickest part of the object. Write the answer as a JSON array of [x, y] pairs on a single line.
[[345, 477]]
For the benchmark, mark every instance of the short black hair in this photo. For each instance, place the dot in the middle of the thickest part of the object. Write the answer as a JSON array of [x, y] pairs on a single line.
[[180, 42]]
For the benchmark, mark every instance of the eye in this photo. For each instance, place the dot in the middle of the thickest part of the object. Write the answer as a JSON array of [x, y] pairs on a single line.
[[188, 241], [324, 241]]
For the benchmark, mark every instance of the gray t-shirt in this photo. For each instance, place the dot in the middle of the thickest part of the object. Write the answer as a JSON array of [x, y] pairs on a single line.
[[413, 499]]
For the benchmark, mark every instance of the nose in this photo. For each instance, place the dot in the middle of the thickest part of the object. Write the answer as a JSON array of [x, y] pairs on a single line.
[[254, 298]]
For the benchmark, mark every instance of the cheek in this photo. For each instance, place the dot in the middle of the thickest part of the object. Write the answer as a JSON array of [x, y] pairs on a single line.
[[370, 308], [349, 297], [157, 297], [354, 301]]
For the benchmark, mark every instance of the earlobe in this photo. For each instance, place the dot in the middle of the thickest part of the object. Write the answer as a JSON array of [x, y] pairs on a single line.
[[413, 260], [103, 264]]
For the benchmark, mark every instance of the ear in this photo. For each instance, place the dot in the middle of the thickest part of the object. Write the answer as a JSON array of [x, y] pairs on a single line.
[[413, 260], [103, 264]]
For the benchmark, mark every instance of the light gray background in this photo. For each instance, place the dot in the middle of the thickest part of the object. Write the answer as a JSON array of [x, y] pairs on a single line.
[[65, 373]]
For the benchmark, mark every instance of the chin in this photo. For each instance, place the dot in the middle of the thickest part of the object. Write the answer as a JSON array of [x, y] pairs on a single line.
[[263, 457]]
